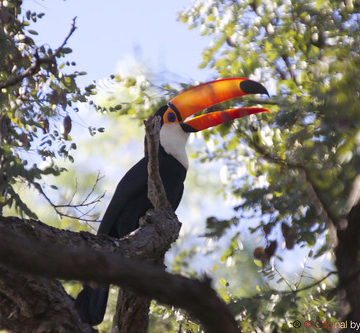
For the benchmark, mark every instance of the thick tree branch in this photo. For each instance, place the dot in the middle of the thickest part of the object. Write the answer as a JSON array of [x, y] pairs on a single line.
[[347, 255], [35, 66], [31, 304], [132, 311], [35, 249], [156, 191], [50, 260]]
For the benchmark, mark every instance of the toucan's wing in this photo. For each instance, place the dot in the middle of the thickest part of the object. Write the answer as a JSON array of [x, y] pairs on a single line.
[[130, 188], [130, 201]]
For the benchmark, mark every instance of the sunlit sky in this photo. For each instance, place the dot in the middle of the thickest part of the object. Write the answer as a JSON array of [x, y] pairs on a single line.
[[114, 30]]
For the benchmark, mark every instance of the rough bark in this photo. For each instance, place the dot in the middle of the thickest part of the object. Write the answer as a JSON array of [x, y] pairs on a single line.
[[347, 255], [30, 304], [55, 260], [132, 312], [348, 265]]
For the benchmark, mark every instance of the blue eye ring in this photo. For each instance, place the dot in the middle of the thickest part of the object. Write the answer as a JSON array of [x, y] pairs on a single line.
[[171, 117]]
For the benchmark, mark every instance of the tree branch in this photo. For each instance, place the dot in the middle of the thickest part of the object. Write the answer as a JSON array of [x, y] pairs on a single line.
[[132, 311], [40, 252], [347, 255], [34, 256], [35, 66], [156, 191], [288, 66]]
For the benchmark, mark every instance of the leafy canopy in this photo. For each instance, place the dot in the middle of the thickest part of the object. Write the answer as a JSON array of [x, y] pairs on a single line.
[[38, 95], [302, 160]]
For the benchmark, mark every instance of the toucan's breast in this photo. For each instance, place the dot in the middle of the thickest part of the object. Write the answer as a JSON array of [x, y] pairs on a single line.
[[173, 139]]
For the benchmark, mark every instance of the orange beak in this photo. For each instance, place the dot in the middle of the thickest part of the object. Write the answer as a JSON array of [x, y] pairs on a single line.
[[211, 93], [207, 120]]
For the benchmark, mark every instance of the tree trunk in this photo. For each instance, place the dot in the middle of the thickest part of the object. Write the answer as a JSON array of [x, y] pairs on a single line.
[[132, 313], [348, 265], [31, 304]]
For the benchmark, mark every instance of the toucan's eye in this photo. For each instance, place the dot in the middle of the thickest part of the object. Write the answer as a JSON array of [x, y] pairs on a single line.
[[171, 117]]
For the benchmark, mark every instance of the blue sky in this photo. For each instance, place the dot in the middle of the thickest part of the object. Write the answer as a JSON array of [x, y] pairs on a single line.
[[113, 30]]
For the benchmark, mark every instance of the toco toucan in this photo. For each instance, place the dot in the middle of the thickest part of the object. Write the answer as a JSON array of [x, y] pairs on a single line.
[[130, 201]]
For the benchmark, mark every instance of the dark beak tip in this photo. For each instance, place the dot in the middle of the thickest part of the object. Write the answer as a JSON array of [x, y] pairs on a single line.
[[253, 87]]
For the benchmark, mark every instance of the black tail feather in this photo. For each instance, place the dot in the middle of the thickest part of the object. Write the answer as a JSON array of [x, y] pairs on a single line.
[[91, 304]]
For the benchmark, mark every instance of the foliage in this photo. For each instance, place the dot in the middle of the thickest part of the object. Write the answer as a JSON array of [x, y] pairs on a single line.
[[310, 144], [38, 96], [290, 171], [295, 168]]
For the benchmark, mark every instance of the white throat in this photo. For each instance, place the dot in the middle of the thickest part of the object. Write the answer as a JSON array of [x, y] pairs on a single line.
[[173, 139]]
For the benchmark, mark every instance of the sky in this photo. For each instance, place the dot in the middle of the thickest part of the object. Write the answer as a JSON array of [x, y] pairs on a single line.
[[114, 30]]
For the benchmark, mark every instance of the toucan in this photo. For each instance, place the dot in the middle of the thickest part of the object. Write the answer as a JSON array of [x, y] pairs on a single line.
[[130, 201]]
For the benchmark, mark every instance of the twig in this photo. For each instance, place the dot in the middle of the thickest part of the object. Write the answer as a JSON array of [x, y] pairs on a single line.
[[316, 283], [283, 278], [76, 207], [35, 66], [72, 29], [320, 205], [302, 275], [296, 291], [288, 66]]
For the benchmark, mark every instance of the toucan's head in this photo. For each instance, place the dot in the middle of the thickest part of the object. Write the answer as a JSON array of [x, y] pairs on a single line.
[[175, 125]]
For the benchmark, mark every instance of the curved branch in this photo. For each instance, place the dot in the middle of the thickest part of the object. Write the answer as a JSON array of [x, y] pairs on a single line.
[[50, 260]]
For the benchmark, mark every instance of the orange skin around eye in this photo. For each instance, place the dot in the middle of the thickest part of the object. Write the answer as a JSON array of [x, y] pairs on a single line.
[[165, 117]]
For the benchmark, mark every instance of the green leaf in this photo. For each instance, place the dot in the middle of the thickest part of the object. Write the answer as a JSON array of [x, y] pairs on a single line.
[[66, 50]]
